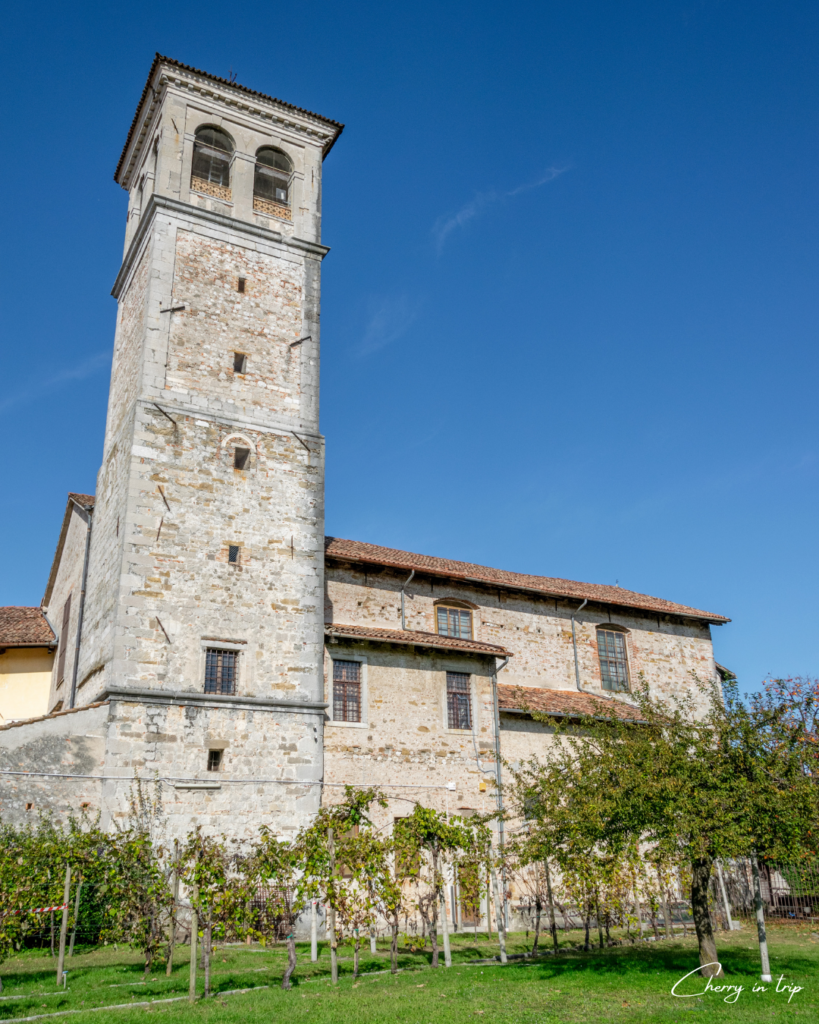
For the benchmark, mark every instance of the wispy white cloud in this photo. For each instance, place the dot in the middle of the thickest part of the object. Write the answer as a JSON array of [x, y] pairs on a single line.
[[56, 381], [444, 226], [388, 318]]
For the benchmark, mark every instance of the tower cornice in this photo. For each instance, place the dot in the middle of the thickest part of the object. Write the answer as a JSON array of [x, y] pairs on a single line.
[[166, 72]]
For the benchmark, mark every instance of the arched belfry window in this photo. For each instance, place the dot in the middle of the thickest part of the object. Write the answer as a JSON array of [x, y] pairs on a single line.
[[271, 182], [210, 172], [612, 651]]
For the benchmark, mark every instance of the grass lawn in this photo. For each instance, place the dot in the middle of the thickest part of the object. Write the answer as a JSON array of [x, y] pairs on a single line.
[[621, 984]]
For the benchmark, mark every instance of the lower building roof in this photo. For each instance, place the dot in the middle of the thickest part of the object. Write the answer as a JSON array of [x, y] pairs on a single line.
[[563, 703], [415, 637], [21, 626]]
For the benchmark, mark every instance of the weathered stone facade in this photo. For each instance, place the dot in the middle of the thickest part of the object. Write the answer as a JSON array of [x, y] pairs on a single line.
[[208, 535], [208, 526]]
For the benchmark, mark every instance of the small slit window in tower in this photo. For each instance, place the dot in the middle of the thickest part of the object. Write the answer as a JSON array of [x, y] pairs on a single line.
[[214, 760], [241, 285], [239, 361], [241, 457], [233, 554], [220, 671]]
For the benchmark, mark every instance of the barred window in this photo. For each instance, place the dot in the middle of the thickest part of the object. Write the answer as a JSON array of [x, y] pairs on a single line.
[[212, 150], [346, 691], [458, 703], [611, 648], [454, 622], [220, 671], [272, 177]]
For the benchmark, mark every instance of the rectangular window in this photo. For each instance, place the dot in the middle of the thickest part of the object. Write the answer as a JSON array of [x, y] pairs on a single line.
[[239, 362], [233, 554], [346, 691], [241, 457], [63, 641], [214, 760], [455, 622], [458, 701], [241, 285], [220, 671], [611, 648]]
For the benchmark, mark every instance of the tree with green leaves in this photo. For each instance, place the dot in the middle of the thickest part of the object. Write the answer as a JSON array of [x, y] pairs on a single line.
[[694, 784]]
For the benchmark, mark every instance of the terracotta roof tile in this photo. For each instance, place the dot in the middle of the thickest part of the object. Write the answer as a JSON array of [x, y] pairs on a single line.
[[83, 499], [563, 703], [24, 627], [357, 551], [407, 636]]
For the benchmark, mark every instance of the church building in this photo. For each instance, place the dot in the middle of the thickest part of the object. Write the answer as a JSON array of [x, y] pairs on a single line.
[[201, 629]]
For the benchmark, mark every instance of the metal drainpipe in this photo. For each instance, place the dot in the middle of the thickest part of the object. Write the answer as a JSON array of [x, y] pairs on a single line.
[[498, 782], [574, 645], [403, 620], [88, 520]]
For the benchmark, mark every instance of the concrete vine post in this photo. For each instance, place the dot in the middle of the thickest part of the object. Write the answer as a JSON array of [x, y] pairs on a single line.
[[313, 931], [172, 922], [76, 917], [194, 933], [499, 915], [760, 921], [444, 916], [64, 923], [331, 914]]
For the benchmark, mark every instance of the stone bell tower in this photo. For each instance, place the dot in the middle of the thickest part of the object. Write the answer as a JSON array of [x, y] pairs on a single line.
[[203, 620]]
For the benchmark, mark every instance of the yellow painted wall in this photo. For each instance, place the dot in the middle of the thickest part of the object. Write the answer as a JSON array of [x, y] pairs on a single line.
[[25, 681]]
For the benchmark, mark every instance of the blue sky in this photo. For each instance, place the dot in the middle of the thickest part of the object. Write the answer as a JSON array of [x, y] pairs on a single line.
[[569, 317]]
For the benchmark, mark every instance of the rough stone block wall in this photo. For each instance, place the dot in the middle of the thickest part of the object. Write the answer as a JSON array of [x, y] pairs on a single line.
[[667, 652], [263, 322], [68, 581]]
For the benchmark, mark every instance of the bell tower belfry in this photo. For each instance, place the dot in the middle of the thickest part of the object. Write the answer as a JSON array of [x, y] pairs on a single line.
[[203, 624]]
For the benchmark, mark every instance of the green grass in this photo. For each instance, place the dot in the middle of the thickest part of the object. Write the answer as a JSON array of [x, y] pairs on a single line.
[[621, 984]]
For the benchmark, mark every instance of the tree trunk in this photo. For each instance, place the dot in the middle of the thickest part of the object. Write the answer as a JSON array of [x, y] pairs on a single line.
[[587, 924], [356, 948], [537, 924], [550, 897], [172, 921], [206, 950], [291, 957], [669, 926], [433, 928], [394, 948], [597, 914], [700, 877]]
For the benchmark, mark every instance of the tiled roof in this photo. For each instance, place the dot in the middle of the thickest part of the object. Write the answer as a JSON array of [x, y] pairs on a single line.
[[419, 639], [52, 714], [158, 58], [563, 703], [357, 551], [83, 499], [24, 627]]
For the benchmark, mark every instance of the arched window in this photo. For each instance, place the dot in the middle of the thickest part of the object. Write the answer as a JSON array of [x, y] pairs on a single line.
[[271, 182], [613, 655], [210, 172]]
